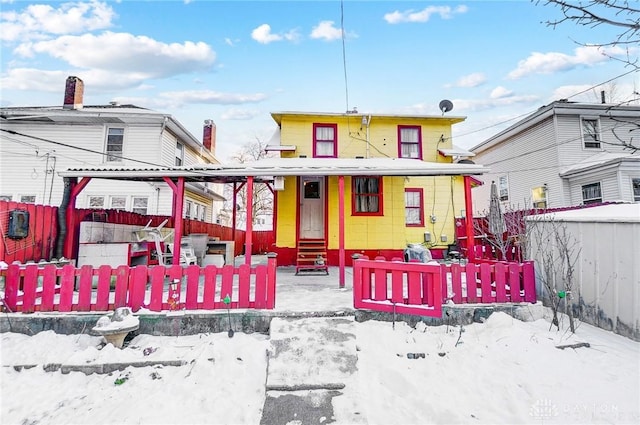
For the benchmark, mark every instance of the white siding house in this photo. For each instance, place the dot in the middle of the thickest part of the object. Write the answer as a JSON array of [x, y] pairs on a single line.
[[38, 142], [564, 154]]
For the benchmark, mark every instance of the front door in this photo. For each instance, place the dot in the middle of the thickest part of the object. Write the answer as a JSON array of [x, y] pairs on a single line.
[[312, 207]]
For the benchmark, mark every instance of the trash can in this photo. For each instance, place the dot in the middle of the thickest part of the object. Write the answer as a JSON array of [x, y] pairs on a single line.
[[417, 252]]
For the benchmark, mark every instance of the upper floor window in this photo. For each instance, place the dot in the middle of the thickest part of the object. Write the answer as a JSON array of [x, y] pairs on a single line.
[[409, 141], [140, 204], [539, 197], [5, 198], [366, 195], [179, 153], [591, 133], [325, 140], [413, 207], [591, 193], [28, 199], [503, 188], [635, 184], [115, 141]]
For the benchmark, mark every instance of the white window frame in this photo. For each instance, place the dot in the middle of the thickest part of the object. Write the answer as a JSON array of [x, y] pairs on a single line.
[[179, 160], [112, 155], [92, 204], [503, 187], [539, 197], [592, 199], [134, 206], [636, 194], [113, 198], [592, 138]]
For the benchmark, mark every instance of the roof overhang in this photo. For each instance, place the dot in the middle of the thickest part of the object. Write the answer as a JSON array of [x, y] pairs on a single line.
[[456, 151], [266, 169], [599, 163]]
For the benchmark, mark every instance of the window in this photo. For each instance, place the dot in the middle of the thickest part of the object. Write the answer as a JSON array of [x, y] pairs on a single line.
[[503, 188], [179, 153], [115, 140], [591, 133], [409, 142], [140, 205], [96, 201], [325, 140], [187, 209], [591, 193], [118, 202], [28, 199], [539, 197], [635, 183], [413, 207], [203, 213], [5, 198], [366, 195]]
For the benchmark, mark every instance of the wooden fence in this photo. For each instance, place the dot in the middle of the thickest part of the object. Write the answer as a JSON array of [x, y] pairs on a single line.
[[68, 289], [418, 288], [41, 237]]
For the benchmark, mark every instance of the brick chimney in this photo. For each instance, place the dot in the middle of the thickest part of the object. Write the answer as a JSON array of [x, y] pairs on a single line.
[[209, 136], [73, 93]]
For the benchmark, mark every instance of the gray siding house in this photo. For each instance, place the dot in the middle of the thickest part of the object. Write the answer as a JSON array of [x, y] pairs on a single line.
[[38, 142], [564, 154]]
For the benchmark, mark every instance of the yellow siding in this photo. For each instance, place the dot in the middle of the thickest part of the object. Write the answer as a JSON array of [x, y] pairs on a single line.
[[443, 196]]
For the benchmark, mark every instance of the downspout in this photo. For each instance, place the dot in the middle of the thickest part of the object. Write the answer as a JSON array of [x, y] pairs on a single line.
[[62, 216]]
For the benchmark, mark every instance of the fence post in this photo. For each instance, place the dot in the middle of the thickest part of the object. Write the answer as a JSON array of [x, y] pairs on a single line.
[[11, 284], [271, 280]]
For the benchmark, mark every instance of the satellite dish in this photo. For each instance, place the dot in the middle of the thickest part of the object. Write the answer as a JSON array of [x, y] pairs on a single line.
[[445, 106]]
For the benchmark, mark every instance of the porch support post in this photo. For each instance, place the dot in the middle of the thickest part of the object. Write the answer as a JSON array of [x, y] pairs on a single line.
[[178, 205], [233, 212], [248, 236], [468, 209], [341, 229], [71, 237]]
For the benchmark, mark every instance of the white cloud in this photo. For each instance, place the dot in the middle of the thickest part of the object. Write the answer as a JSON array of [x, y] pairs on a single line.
[[500, 93], [471, 80], [34, 79], [552, 62], [445, 12], [213, 97], [237, 114], [326, 31], [38, 20], [263, 35], [138, 56]]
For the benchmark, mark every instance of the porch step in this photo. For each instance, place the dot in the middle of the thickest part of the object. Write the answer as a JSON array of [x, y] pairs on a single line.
[[312, 256]]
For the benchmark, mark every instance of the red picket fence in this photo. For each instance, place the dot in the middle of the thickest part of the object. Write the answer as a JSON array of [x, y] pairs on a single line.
[[41, 238], [414, 287], [421, 289], [68, 289]]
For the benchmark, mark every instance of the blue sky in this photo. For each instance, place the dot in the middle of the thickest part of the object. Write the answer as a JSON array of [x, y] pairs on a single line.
[[237, 61]]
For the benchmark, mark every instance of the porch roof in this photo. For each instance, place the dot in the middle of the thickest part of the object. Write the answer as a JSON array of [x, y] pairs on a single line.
[[266, 169]]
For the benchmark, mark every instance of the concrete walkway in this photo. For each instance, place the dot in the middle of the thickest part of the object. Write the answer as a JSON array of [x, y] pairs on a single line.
[[298, 392]]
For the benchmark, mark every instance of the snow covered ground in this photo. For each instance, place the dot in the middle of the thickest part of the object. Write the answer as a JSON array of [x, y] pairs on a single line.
[[500, 371]]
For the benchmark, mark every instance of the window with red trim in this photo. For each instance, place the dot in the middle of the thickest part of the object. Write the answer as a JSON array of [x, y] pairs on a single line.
[[366, 195], [413, 207], [410, 141], [325, 140]]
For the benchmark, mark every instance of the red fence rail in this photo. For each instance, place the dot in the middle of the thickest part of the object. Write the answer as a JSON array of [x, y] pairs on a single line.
[[41, 238], [418, 288], [414, 287], [68, 289]]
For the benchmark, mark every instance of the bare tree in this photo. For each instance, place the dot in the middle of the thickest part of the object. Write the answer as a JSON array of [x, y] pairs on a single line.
[[594, 13], [262, 196], [557, 253]]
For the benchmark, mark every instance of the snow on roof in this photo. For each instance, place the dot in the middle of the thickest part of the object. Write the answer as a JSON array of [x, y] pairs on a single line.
[[598, 160], [285, 167], [621, 213]]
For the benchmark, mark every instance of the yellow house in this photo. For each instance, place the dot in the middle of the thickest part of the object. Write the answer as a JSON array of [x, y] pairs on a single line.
[[401, 180]]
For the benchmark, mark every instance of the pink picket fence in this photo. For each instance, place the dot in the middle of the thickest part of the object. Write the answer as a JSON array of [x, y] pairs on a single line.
[[421, 289], [32, 288]]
